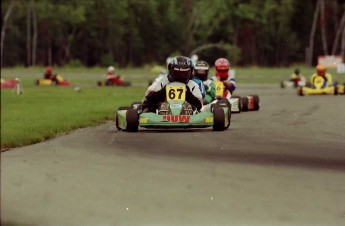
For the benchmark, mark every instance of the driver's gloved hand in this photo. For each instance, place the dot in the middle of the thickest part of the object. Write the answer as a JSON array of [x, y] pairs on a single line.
[[154, 98]]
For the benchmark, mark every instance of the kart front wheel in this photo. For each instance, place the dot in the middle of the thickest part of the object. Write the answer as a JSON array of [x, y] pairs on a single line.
[[219, 119], [132, 119]]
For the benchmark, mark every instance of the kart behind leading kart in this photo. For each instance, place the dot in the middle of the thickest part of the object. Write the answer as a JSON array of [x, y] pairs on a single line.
[[175, 112], [238, 103]]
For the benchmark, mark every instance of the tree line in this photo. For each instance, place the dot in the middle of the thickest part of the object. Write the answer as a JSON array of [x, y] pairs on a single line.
[[139, 32]]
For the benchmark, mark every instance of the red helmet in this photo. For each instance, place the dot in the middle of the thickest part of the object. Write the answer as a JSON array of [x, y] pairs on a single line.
[[222, 68], [49, 70], [321, 70]]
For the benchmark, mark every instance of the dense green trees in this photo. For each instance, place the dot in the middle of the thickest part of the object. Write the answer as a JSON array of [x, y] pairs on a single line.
[[137, 32]]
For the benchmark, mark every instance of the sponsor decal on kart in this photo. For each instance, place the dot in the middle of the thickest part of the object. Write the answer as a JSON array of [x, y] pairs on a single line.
[[175, 106], [143, 120], [176, 118], [209, 119]]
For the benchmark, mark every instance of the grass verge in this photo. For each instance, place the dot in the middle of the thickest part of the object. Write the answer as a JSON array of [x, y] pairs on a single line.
[[45, 112]]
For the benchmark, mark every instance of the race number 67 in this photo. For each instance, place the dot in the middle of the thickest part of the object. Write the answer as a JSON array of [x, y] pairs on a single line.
[[176, 93]]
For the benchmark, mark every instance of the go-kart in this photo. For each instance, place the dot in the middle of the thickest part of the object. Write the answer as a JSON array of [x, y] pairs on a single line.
[[57, 80], [298, 83], [10, 84], [113, 81], [235, 101], [238, 103], [175, 112], [320, 86]]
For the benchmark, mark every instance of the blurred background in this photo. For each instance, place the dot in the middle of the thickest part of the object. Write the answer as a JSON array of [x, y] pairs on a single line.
[[134, 33]]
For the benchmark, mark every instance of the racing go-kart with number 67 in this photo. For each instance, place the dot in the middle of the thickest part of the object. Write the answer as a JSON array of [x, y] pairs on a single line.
[[175, 112]]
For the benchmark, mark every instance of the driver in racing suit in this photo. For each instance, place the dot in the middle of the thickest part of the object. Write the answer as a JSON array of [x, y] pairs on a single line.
[[180, 69], [295, 77], [201, 70], [222, 67]]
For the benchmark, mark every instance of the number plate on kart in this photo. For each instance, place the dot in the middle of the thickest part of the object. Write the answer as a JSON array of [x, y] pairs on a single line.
[[176, 92], [219, 87], [319, 82]]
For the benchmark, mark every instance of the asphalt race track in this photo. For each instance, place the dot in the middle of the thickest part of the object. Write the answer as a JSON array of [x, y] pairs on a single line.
[[282, 165]]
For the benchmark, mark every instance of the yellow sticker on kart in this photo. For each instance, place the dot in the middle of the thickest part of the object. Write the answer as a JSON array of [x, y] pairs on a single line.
[[219, 87], [209, 119], [143, 120], [176, 92]]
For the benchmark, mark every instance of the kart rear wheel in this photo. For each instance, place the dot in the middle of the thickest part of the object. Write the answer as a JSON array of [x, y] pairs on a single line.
[[336, 90], [132, 119], [244, 103], [256, 102], [219, 119]]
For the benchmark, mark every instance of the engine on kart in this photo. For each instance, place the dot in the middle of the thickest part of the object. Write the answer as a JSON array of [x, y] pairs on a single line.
[[165, 108]]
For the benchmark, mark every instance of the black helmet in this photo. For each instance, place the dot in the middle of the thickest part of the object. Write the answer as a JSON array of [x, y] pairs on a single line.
[[201, 69], [297, 71], [180, 68]]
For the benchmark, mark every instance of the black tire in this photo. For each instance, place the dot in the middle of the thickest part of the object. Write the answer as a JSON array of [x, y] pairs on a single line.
[[132, 119], [223, 102], [218, 119], [117, 122], [244, 103], [300, 91], [108, 83], [336, 90], [256, 102]]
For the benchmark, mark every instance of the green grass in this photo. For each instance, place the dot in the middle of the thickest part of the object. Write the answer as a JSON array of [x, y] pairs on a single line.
[[45, 112]]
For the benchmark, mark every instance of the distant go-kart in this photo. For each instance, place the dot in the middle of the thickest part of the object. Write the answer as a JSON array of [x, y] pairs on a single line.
[[113, 81], [238, 103], [320, 87], [10, 84], [301, 82], [57, 80], [176, 112]]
